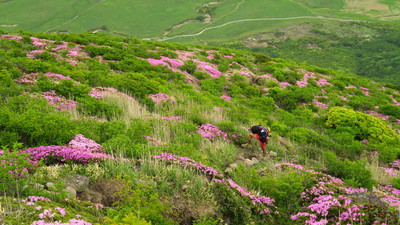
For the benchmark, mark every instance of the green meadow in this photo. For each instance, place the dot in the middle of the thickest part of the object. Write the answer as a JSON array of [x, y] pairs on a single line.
[[289, 29], [133, 18], [150, 19]]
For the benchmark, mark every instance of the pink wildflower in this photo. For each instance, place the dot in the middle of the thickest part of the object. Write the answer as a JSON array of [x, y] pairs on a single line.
[[227, 98], [161, 97]]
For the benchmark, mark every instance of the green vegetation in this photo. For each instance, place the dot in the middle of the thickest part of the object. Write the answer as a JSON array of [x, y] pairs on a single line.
[[343, 35], [364, 49], [157, 129]]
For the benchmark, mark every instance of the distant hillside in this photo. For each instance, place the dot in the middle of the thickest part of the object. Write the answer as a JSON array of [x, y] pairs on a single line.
[[145, 132], [354, 36]]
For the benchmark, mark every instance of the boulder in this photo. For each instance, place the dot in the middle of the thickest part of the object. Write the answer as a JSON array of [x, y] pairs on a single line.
[[91, 196], [50, 186], [78, 182], [71, 192], [233, 165], [365, 198]]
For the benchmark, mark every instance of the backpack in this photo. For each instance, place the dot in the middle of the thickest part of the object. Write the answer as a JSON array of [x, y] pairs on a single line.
[[263, 133]]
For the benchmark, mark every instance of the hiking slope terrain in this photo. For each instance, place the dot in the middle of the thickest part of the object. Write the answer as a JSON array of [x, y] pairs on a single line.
[[100, 129]]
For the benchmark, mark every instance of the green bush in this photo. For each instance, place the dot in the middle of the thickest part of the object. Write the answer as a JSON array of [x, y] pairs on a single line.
[[363, 126], [14, 172], [136, 84], [189, 66], [214, 86], [353, 173], [36, 128], [70, 89], [28, 65], [8, 87], [201, 75], [390, 110], [94, 107], [304, 135], [138, 128], [285, 188], [129, 219], [387, 154], [396, 183], [143, 201]]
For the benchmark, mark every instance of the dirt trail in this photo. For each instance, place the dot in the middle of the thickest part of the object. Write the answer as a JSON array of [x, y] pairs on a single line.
[[260, 19]]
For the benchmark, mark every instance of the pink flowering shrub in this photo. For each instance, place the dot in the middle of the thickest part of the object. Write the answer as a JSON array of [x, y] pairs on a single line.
[[42, 211], [33, 53], [79, 150], [210, 56], [80, 141], [209, 69], [210, 132], [28, 78], [41, 43], [161, 97], [14, 169], [11, 37], [329, 202], [320, 104], [175, 63], [171, 118], [226, 98], [57, 76], [264, 205], [373, 113], [323, 82], [100, 92], [152, 140], [284, 84], [60, 103]]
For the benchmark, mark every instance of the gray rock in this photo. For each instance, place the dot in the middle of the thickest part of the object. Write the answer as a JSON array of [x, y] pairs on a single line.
[[248, 162], [71, 192], [252, 162], [228, 170], [255, 161], [91, 196], [365, 198], [233, 165], [78, 182], [184, 188], [50, 186]]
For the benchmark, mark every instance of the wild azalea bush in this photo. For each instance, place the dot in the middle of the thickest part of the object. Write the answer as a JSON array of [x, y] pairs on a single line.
[[328, 201], [210, 132], [14, 171], [265, 205], [44, 212], [79, 150]]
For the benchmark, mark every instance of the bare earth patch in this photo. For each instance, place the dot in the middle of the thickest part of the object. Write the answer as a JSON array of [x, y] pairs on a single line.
[[5, 25], [293, 32], [371, 8]]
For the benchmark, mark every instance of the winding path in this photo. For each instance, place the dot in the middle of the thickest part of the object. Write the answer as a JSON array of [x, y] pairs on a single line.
[[259, 19]]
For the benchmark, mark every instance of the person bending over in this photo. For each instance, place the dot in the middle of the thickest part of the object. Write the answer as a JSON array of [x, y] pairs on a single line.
[[261, 134]]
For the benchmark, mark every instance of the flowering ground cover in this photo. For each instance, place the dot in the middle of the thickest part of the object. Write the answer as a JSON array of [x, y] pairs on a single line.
[[176, 116]]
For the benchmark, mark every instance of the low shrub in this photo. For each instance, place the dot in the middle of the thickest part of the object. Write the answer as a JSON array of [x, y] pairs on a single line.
[[353, 173]]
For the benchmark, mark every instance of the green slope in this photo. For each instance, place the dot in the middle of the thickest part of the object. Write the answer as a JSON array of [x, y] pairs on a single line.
[[157, 128]]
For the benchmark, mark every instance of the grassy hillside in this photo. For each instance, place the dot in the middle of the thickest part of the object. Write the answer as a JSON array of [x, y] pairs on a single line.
[[157, 128], [341, 34], [364, 49]]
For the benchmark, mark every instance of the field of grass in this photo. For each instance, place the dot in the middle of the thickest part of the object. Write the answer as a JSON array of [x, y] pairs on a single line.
[[134, 18], [150, 19]]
